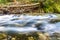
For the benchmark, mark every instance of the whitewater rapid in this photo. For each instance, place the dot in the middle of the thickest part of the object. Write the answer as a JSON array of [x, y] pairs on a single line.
[[18, 23]]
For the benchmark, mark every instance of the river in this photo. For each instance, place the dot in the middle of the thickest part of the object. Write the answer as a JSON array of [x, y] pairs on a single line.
[[27, 23]]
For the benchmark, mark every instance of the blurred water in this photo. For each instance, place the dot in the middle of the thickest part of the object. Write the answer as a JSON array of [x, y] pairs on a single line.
[[26, 23]]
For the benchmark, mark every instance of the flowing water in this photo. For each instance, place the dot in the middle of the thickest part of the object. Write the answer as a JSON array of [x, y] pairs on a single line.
[[27, 23]]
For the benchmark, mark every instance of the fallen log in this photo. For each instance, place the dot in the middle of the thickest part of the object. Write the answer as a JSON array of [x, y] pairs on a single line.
[[19, 8]]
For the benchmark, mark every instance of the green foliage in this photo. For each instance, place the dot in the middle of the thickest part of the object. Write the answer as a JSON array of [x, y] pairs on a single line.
[[52, 6], [3, 1], [34, 1], [57, 8], [48, 6], [9, 0]]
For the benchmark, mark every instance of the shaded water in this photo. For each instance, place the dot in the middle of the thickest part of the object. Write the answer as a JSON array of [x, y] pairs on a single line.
[[28, 23]]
